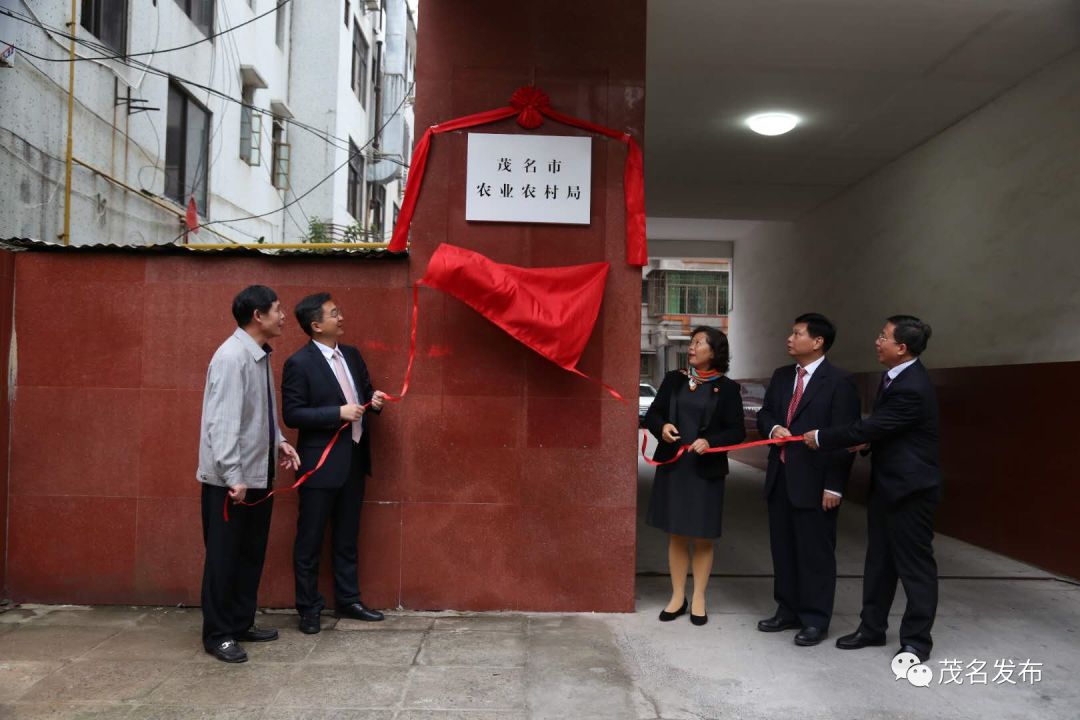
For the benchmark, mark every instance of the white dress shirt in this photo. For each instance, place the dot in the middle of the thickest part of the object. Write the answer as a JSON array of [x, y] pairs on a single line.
[[328, 353], [809, 368], [894, 372]]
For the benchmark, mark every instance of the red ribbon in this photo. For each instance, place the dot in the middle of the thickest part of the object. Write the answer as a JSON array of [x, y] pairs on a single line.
[[531, 105], [330, 446], [726, 448]]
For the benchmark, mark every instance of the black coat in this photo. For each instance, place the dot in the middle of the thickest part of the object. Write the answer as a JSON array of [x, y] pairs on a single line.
[[721, 422], [830, 398], [904, 436], [311, 401]]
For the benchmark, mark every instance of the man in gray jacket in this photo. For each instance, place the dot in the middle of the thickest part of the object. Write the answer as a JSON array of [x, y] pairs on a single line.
[[240, 440]]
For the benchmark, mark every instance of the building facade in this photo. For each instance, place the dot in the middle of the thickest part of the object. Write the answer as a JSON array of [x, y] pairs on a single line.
[[224, 106], [678, 295]]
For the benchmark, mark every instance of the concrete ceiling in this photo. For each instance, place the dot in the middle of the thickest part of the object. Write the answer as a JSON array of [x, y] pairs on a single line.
[[871, 78]]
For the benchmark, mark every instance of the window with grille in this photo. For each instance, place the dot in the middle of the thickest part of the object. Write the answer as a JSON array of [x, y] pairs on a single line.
[[687, 292], [250, 128], [107, 20]]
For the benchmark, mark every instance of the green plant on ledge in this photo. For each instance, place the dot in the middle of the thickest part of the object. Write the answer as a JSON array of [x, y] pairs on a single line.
[[318, 231], [355, 233]]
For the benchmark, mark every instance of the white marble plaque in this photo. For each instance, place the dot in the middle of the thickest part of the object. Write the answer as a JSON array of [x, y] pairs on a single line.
[[528, 178]]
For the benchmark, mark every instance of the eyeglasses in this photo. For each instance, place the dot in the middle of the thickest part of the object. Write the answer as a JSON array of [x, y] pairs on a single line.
[[882, 338]]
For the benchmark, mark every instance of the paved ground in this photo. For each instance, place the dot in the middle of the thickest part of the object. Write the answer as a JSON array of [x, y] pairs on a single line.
[[147, 663]]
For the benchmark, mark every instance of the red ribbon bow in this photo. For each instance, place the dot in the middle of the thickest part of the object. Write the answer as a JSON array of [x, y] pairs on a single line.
[[530, 102]]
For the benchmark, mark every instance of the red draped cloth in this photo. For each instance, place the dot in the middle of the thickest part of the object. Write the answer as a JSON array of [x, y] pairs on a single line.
[[531, 105], [550, 310]]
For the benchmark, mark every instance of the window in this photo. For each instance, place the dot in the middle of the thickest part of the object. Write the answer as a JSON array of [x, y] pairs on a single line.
[[279, 161], [201, 13], [250, 128], [685, 292], [359, 65], [376, 85], [376, 211], [348, 13], [356, 182], [187, 149], [107, 20], [280, 20]]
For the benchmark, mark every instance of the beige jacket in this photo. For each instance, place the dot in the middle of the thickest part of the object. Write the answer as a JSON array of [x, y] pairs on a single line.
[[234, 439]]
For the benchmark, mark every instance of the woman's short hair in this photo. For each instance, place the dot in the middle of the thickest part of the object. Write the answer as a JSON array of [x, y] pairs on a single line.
[[718, 343]]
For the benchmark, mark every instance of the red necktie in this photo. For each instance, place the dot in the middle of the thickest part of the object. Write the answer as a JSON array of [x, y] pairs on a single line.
[[793, 405]]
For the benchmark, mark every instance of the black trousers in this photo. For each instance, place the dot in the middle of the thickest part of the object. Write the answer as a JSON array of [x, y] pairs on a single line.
[[900, 546], [341, 508], [803, 542], [235, 551]]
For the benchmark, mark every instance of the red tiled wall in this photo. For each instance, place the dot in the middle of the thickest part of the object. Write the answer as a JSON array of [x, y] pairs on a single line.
[[501, 482], [7, 284]]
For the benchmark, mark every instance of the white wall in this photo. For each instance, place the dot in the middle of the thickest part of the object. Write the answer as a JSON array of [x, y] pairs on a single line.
[[977, 232]]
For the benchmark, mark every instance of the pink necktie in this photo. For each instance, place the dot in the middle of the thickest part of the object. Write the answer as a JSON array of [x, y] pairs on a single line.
[[346, 388], [793, 405]]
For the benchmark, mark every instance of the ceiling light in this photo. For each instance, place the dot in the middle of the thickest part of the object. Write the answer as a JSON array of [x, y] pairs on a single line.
[[772, 123]]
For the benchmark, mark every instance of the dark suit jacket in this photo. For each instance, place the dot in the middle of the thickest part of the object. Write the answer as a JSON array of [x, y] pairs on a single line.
[[830, 398], [721, 423], [904, 436], [311, 401]]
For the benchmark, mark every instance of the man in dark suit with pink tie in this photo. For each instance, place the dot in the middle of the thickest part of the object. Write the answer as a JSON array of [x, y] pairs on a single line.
[[326, 384]]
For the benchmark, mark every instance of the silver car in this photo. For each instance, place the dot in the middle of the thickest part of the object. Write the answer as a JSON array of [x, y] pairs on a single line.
[[646, 393]]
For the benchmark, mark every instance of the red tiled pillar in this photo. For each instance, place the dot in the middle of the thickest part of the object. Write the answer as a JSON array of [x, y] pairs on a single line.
[[519, 488]]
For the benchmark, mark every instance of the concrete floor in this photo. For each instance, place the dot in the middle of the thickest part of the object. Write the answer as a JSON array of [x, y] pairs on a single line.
[[147, 663]]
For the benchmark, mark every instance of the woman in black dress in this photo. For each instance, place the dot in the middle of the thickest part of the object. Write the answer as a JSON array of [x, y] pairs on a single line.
[[702, 408]]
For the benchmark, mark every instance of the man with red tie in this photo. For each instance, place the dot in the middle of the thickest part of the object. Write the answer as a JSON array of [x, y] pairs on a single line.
[[803, 490], [324, 385]]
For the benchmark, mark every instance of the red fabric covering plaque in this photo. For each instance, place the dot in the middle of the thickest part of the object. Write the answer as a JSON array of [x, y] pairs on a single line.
[[551, 310]]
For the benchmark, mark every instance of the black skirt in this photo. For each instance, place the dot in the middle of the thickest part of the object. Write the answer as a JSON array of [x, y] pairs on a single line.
[[683, 500]]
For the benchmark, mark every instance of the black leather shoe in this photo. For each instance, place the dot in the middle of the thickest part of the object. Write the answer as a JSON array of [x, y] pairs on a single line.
[[310, 625], [258, 634], [857, 640], [666, 616], [357, 611], [923, 656], [776, 624], [699, 620], [809, 636], [228, 651]]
